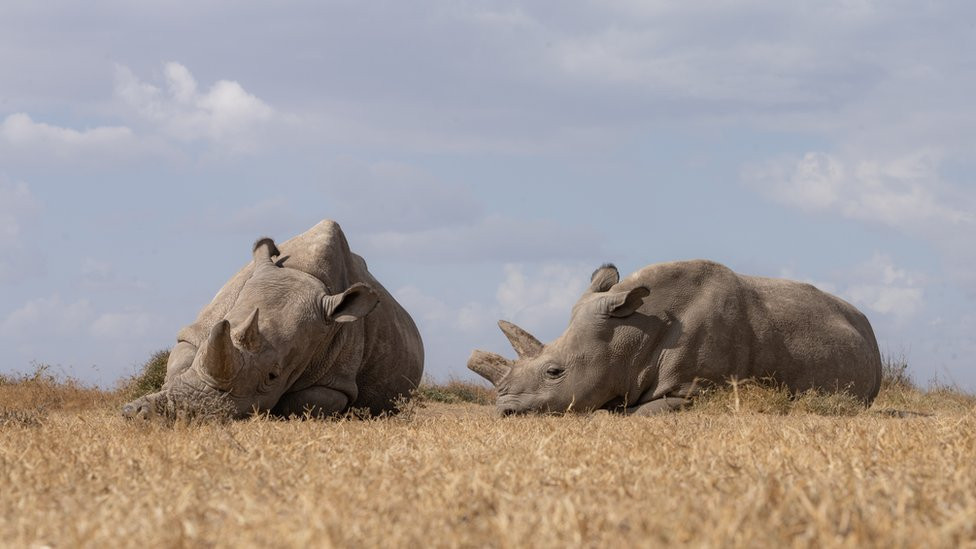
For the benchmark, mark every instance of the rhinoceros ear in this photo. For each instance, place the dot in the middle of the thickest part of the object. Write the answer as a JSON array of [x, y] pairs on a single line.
[[218, 357], [604, 278], [489, 365], [264, 249], [355, 303], [249, 338], [626, 303], [524, 343]]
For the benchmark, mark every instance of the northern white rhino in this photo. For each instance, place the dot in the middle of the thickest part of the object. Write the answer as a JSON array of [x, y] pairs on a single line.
[[312, 331], [645, 344]]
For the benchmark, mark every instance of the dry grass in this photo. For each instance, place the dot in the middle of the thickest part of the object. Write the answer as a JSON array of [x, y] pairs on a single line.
[[766, 472], [455, 391]]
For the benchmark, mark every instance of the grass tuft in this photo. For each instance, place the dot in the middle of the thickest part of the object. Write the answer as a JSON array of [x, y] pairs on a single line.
[[42, 390], [149, 378], [750, 396], [895, 374], [25, 418], [455, 391]]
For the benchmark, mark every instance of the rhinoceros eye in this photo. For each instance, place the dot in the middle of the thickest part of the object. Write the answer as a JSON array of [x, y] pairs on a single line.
[[273, 374], [553, 372]]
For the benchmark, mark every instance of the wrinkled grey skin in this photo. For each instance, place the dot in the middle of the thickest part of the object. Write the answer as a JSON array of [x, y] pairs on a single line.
[[646, 344], [311, 332]]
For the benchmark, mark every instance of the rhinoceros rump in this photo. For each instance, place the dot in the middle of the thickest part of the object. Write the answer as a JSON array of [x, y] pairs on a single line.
[[644, 345], [311, 332]]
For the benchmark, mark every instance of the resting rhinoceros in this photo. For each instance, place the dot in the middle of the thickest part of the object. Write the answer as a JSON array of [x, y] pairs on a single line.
[[311, 332], [646, 344]]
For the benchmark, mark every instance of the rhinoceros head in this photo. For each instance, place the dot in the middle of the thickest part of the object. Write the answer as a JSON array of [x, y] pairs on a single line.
[[280, 320], [573, 372]]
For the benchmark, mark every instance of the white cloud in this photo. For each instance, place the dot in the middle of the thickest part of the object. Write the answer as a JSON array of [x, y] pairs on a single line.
[[92, 344], [16, 202], [121, 325], [388, 196], [40, 319], [96, 274], [423, 308], [737, 59], [503, 19], [904, 192], [41, 141], [790, 273], [436, 316], [18, 210], [876, 284], [901, 192], [540, 296], [885, 288], [402, 213], [900, 302], [95, 271], [491, 238], [537, 297], [48, 316], [267, 215], [543, 298], [225, 114]]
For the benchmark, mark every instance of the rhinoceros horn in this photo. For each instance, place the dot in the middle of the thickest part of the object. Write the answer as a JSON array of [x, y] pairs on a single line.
[[249, 337], [218, 356], [489, 365], [523, 342]]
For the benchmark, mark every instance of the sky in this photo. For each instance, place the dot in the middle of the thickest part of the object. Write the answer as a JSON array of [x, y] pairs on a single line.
[[484, 158]]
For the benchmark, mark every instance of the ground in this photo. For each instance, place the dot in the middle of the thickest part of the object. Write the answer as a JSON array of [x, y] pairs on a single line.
[[726, 473]]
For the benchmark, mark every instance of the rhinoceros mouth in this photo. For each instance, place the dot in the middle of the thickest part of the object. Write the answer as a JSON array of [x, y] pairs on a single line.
[[515, 405]]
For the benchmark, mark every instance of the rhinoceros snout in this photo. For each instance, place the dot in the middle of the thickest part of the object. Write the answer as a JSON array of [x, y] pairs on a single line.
[[139, 409]]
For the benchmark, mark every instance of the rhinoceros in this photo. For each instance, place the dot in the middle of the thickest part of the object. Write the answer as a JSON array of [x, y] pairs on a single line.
[[647, 344], [311, 332]]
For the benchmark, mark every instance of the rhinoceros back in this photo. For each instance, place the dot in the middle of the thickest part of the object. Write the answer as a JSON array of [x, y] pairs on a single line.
[[810, 339]]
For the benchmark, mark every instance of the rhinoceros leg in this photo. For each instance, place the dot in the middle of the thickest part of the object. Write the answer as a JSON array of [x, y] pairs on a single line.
[[316, 401], [659, 406]]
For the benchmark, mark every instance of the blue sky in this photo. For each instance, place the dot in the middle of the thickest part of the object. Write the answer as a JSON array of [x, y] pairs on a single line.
[[484, 157]]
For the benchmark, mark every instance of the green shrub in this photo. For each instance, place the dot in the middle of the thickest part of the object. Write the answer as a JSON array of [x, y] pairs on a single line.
[[151, 376], [455, 391]]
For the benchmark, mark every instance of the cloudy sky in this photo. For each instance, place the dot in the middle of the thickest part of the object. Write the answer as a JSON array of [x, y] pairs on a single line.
[[484, 157]]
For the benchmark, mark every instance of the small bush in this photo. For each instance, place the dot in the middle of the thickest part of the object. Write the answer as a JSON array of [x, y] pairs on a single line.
[[894, 373], [455, 391], [150, 377]]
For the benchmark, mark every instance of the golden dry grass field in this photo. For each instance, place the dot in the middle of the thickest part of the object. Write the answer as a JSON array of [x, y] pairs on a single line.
[[742, 469]]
